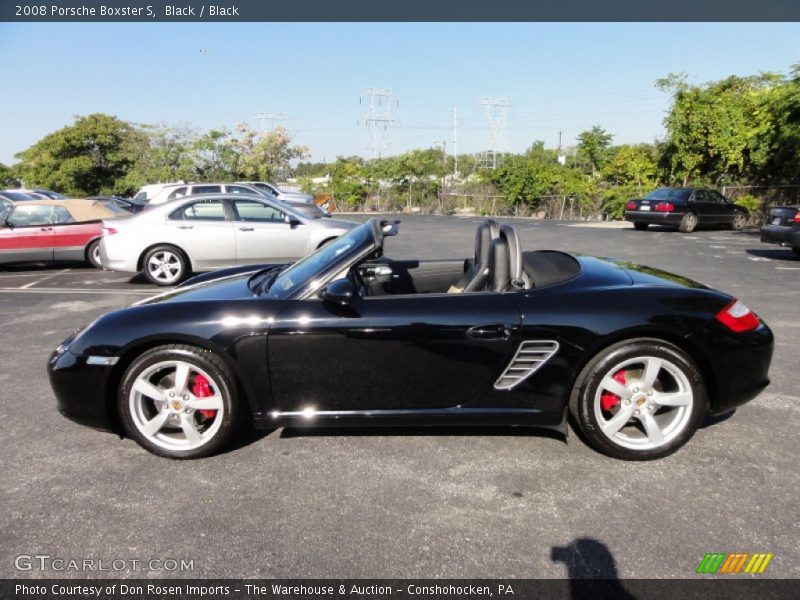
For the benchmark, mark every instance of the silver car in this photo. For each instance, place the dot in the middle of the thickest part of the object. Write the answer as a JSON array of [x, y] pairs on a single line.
[[202, 233]]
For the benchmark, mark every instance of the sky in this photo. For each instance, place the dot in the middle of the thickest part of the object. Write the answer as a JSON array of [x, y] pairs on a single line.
[[557, 76]]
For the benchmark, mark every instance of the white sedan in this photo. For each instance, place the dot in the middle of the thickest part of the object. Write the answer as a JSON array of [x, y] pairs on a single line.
[[202, 233]]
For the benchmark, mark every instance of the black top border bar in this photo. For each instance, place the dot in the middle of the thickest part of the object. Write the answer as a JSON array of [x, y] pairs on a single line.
[[406, 11]]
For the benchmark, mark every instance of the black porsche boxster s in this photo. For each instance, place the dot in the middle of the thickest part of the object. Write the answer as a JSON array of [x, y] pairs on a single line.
[[348, 336]]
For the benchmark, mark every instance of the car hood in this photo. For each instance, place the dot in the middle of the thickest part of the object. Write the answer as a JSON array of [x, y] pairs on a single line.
[[334, 223], [222, 287]]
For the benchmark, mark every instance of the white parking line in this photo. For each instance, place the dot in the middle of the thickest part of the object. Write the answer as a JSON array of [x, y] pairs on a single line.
[[77, 291], [32, 283], [788, 268]]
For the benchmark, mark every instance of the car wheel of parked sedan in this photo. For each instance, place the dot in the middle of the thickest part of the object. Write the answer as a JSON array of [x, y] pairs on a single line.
[[639, 400], [688, 223], [165, 265], [93, 254], [178, 401], [639, 226], [739, 221]]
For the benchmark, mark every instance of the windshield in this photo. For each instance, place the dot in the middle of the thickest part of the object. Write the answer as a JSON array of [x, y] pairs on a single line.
[[17, 196], [307, 269], [669, 194]]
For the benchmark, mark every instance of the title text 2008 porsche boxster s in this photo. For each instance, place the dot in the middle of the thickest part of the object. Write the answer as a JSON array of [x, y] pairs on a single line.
[[347, 336]]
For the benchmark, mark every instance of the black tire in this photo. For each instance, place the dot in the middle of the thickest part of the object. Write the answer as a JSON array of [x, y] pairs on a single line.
[[583, 401], [796, 250], [173, 256], [214, 366], [93, 254], [639, 226], [739, 221], [688, 223]]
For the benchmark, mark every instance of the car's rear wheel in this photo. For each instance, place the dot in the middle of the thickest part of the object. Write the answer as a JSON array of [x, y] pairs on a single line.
[[639, 400], [688, 223], [165, 265], [739, 221], [93, 254], [796, 250], [178, 401], [639, 226]]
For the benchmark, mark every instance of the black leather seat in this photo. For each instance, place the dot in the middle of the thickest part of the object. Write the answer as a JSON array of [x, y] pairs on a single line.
[[474, 278]]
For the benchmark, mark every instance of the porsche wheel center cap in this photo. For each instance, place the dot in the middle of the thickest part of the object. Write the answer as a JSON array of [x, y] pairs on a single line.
[[640, 400], [176, 405]]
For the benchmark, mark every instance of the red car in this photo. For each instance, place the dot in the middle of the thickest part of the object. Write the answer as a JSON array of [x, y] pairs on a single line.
[[54, 230]]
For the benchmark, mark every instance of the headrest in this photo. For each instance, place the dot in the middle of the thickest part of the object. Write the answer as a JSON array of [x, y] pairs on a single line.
[[499, 277]]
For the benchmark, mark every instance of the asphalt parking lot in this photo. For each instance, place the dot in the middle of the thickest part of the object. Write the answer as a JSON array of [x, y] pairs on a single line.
[[406, 503]]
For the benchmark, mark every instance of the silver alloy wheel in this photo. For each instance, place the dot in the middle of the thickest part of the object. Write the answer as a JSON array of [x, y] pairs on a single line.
[[739, 221], [655, 403], [165, 266], [165, 411], [96, 254], [691, 221]]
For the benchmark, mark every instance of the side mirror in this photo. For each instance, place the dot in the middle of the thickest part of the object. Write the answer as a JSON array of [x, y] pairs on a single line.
[[292, 220], [339, 292]]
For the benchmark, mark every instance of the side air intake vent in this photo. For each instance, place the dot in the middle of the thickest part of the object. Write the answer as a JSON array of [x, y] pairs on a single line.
[[529, 357]]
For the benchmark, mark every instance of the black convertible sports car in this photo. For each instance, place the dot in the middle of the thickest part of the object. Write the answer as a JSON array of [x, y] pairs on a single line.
[[347, 336]]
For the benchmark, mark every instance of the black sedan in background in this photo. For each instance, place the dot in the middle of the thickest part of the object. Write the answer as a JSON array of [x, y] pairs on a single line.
[[129, 204], [348, 336], [783, 227], [686, 209]]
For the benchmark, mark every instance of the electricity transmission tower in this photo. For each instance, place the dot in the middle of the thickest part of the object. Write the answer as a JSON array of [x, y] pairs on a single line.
[[379, 118], [497, 134], [273, 118]]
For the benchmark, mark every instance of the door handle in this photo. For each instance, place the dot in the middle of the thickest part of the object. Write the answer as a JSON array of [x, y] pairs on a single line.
[[247, 228], [185, 226], [489, 332]]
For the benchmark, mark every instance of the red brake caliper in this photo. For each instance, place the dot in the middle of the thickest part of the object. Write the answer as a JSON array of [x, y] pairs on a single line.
[[609, 400], [202, 389]]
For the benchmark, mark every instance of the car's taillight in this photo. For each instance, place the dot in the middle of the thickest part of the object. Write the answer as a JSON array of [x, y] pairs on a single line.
[[109, 231], [796, 217], [632, 206], [665, 207], [737, 317]]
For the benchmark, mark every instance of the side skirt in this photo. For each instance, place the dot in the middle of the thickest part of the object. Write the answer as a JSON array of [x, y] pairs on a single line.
[[448, 417]]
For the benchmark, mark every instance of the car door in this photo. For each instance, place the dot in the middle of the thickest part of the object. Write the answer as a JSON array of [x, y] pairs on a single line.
[[390, 352], [27, 234], [263, 234], [203, 230], [70, 237], [726, 210]]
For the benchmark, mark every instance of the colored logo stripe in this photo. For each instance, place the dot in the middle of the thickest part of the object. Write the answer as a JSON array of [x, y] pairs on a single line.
[[720, 562]]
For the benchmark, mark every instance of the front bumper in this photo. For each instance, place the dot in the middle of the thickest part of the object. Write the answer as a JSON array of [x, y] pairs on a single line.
[[80, 390], [653, 217], [781, 234]]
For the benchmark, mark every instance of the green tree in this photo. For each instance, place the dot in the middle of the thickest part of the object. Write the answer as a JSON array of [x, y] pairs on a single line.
[[7, 178], [264, 155], [632, 166], [783, 163], [593, 147], [88, 157], [722, 128]]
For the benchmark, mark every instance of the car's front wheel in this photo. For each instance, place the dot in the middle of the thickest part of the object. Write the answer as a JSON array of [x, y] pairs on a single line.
[[639, 400], [178, 401], [739, 221], [165, 265], [688, 223]]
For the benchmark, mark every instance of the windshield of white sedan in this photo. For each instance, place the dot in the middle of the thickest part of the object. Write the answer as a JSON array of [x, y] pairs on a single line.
[[308, 268]]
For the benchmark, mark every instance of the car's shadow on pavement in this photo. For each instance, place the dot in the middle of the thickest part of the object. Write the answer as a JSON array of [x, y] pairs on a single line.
[[786, 254]]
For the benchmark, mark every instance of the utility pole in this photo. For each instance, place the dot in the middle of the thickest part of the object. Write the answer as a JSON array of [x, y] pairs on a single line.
[[261, 115], [455, 141], [271, 117], [559, 143]]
